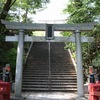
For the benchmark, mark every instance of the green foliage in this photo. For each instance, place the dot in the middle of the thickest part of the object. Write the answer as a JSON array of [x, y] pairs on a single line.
[[2, 51], [19, 11], [70, 45], [1, 56], [10, 57], [84, 11], [22, 9], [96, 61]]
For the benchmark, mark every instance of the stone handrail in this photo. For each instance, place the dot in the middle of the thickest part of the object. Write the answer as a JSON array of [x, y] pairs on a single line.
[[27, 54], [73, 61]]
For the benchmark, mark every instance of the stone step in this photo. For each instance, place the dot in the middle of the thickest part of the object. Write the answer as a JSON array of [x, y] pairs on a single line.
[[36, 71], [51, 86], [51, 89], [44, 80], [36, 75], [64, 89], [41, 70], [52, 66], [46, 65], [63, 86], [62, 73], [47, 74], [34, 86], [60, 78], [34, 89], [52, 83], [53, 69]]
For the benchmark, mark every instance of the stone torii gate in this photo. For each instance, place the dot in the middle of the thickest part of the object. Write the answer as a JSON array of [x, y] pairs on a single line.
[[49, 28]]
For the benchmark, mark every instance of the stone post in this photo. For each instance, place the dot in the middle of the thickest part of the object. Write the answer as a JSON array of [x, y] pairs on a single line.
[[19, 64], [79, 64]]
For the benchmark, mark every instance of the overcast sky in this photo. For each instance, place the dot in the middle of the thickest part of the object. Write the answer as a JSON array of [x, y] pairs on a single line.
[[53, 11]]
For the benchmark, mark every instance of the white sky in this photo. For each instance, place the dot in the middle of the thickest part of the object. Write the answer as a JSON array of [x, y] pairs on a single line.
[[52, 12]]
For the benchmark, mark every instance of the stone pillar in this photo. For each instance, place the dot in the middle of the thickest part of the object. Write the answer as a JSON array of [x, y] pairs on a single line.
[[80, 84], [19, 64]]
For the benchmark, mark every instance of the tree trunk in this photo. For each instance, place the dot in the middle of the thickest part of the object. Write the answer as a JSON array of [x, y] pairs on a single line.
[[5, 9]]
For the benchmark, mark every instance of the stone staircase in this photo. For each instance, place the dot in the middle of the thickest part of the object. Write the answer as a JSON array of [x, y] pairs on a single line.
[[49, 68]]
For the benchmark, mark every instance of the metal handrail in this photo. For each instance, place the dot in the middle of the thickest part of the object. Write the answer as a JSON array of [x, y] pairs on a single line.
[[49, 81]]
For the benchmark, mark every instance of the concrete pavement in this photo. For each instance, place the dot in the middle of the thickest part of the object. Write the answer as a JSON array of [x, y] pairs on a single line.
[[49, 96]]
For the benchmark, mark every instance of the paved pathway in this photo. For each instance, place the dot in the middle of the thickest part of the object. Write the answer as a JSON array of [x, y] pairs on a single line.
[[49, 96]]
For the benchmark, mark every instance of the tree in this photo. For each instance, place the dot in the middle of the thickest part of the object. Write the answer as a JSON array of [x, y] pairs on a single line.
[[29, 6], [9, 11], [84, 11], [22, 9]]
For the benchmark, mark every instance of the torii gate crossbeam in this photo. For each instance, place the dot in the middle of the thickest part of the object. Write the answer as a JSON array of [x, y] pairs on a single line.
[[42, 27]]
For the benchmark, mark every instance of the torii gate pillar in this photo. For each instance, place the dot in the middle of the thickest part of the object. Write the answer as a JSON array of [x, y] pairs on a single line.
[[19, 64], [80, 82]]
